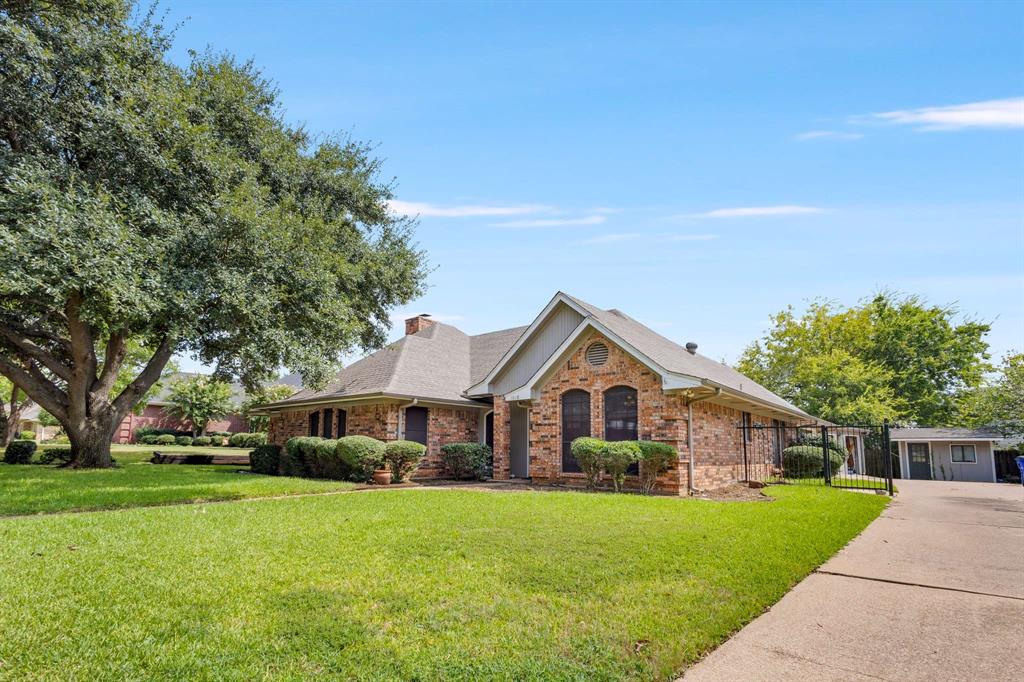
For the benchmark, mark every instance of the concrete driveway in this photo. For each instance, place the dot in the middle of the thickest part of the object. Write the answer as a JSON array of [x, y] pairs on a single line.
[[932, 590]]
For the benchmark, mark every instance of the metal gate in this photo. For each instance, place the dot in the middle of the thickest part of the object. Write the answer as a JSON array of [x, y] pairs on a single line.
[[849, 456]]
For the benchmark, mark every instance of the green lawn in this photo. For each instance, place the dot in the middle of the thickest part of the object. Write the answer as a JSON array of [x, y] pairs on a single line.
[[32, 488], [426, 584]]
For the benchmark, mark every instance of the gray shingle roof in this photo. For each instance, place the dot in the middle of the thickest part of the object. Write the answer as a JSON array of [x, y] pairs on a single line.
[[944, 434], [675, 358]]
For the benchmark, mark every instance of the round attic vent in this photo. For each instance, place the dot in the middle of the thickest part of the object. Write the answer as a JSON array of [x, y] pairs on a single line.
[[597, 354]]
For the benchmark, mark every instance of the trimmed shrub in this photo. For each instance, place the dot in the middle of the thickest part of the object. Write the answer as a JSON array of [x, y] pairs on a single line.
[[266, 459], [27, 435], [237, 440], [253, 440], [54, 455], [618, 456], [298, 455], [201, 440], [466, 460], [150, 439], [655, 459], [165, 439], [402, 456], [362, 454], [806, 461], [216, 441], [20, 452], [325, 462], [183, 440], [588, 454]]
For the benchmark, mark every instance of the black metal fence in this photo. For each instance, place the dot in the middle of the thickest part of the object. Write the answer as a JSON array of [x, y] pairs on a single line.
[[850, 456]]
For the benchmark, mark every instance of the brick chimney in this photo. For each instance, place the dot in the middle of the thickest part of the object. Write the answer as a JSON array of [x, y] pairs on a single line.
[[418, 324]]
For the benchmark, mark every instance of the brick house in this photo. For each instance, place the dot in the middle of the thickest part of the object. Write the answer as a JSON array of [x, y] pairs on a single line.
[[576, 370]]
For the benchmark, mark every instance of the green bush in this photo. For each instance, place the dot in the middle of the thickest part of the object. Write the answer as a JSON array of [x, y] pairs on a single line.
[[149, 439], [655, 459], [588, 454], [254, 440], [237, 440], [363, 455], [466, 460], [20, 452], [299, 454], [806, 461], [326, 462], [618, 457], [266, 459], [402, 456], [183, 440], [216, 441], [165, 439], [52, 455], [201, 441], [27, 435]]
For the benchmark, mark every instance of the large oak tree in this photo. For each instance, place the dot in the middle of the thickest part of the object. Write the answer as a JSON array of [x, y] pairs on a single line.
[[148, 205]]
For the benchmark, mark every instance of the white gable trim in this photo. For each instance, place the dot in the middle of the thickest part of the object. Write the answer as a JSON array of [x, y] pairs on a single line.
[[669, 380], [482, 387]]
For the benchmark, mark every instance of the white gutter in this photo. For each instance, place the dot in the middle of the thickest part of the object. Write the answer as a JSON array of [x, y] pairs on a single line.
[[689, 437]]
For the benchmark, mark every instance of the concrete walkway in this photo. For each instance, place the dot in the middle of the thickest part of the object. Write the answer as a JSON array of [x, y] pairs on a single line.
[[932, 590]]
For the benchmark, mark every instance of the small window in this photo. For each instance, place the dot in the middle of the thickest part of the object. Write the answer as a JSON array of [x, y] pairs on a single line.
[[416, 424], [328, 423], [314, 423], [747, 427], [342, 425], [597, 354], [963, 453]]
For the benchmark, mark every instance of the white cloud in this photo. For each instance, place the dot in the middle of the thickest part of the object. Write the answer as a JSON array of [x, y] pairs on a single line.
[[612, 238], [553, 222], [756, 211], [415, 208], [993, 113], [690, 237], [631, 236], [828, 134]]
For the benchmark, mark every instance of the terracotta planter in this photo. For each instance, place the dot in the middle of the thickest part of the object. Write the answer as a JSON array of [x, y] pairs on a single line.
[[382, 477]]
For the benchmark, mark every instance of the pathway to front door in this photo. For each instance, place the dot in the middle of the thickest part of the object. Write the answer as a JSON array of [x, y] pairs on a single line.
[[932, 590]]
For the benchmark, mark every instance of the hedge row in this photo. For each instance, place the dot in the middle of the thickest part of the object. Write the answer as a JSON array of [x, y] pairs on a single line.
[[352, 458], [597, 457], [806, 461], [237, 440]]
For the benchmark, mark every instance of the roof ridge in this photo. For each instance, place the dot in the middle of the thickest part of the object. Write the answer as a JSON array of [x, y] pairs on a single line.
[[398, 361]]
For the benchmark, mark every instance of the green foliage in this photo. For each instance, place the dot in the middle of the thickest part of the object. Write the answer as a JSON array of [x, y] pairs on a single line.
[[617, 457], [165, 439], [198, 400], [1000, 402], [402, 456], [807, 461], [266, 459], [124, 176], [466, 460], [262, 395], [247, 440], [891, 357], [55, 455], [326, 462], [588, 453], [149, 439], [300, 453], [183, 440], [19, 452], [27, 435], [362, 455], [201, 441], [655, 459]]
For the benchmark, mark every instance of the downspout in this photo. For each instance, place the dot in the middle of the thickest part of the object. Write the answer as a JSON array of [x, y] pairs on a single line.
[[401, 418], [689, 437]]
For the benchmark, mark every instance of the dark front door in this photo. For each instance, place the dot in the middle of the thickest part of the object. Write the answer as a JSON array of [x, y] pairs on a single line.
[[519, 442], [920, 463], [575, 424], [489, 430], [416, 424]]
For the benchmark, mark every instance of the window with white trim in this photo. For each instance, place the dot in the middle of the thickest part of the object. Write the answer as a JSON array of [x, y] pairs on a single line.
[[963, 453]]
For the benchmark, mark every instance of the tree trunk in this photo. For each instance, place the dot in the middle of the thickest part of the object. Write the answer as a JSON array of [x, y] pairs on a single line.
[[10, 429], [90, 447]]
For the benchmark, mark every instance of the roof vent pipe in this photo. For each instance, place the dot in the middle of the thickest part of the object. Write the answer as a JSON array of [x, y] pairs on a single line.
[[691, 347]]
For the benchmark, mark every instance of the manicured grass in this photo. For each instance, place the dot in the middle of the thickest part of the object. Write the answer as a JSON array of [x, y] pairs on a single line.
[[427, 584], [32, 488]]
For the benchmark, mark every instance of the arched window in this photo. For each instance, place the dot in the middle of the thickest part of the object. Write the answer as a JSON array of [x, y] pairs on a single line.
[[342, 426], [575, 423], [620, 417], [328, 423], [314, 423]]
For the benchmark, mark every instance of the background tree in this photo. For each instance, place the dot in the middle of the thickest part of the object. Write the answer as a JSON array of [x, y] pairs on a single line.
[[173, 208], [1000, 402], [890, 357], [13, 403], [199, 400], [259, 396]]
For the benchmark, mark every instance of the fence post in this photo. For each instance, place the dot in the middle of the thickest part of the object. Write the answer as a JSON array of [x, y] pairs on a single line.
[[887, 450], [824, 454]]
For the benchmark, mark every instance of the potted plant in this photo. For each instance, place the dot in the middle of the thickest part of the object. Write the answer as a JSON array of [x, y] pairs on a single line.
[[382, 476]]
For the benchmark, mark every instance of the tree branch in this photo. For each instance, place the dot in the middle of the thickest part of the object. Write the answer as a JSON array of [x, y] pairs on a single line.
[[142, 383], [113, 358], [37, 386], [36, 352], [83, 356]]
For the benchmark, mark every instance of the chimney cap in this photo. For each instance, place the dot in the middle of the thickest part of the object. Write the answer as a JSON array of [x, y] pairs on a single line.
[[691, 347]]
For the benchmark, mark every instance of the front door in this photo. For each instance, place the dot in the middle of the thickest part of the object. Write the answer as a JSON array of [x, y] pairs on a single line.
[[920, 462], [519, 442]]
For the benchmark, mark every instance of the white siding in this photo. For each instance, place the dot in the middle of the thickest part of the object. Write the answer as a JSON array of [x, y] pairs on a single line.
[[945, 469], [545, 341]]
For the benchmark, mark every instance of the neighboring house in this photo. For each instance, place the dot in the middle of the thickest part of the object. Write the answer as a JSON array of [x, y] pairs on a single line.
[[153, 413], [946, 454], [577, 370], [30, 422]]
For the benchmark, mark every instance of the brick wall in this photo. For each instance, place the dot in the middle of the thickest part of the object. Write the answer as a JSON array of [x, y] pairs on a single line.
[[446, 425], [154, 415], [502, 430]]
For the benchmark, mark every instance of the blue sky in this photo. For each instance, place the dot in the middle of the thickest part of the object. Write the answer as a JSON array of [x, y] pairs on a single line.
[[699, 166]]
